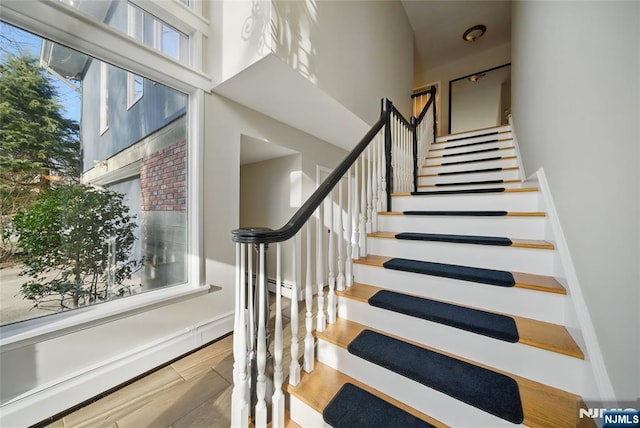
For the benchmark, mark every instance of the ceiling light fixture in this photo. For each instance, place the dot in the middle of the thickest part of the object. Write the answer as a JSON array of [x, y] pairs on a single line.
[[474, 33], [477, 77]]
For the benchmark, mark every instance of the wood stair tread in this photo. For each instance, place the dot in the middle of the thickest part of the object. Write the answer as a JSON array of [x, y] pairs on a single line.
[[491, 130], [539, 334], [522, 280], [542, 405], [316, 389], [518, 243]]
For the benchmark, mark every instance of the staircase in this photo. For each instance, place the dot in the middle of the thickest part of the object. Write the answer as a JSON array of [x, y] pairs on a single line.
[[454, 317]]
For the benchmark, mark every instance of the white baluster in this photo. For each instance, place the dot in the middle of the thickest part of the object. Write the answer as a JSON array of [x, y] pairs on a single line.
[[348, 266], [374, 184], [379, 147], [294, 367], [321, 319], [250, 307], [355, 239], [363, 209], [277, 404], [331, 296], [339, 237], [240, 406], [308, 339], [261, 358], [383, 161], [369, 190]]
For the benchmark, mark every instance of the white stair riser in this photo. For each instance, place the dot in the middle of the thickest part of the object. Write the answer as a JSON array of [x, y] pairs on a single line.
[[516, 227], [304, 415], [539, 305], [551, 368], [503, 201], [499, 129], [528, 260], [464, 146], [470, 186], [474, 176], [499, 163], [422, 398], [470, 156]]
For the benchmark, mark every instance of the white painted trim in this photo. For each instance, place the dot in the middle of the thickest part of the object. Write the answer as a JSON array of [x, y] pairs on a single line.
[[593, 352], [62, 394], [522, 172], [36, 330]]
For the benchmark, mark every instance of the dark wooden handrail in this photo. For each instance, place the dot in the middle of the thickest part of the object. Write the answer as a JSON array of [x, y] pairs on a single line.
[[266, 235]]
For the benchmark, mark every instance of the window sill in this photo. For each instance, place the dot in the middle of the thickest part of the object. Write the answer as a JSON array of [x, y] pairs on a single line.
[[28, 332]]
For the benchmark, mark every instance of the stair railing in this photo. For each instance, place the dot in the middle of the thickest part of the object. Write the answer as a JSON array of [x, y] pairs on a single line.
[[345, 208]]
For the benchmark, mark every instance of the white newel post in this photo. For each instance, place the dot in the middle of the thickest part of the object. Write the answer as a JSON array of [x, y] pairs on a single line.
[[239, 403]]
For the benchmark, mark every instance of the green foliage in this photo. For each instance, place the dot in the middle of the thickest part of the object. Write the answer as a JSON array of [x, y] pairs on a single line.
[[38, 146], [66, 236]]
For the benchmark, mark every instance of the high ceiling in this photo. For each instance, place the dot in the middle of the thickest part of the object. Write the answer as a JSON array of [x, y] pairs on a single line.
[[438, 26]]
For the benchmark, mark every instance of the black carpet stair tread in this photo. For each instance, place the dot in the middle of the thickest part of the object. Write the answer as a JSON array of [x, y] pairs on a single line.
[[318, 388], [353, 407], [465, 183], [489, 324], [543, 405], [461, 239], [499, 278], [471, 152], [465, 239], [539, 334], [477, 143], [495, 158], [470, 171], [471, 191], [484, 389], [529, 281]]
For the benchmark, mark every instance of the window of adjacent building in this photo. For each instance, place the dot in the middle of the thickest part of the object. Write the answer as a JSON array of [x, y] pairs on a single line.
[[133, 177]]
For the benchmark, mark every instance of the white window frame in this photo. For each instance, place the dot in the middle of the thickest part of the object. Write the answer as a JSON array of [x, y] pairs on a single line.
[[66, 25], [133, 96], [104, 97]]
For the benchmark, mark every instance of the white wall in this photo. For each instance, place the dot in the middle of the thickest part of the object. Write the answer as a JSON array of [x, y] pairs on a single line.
[[321, 66], [356, 51], [484, 60], [228, 123], [576, 92]]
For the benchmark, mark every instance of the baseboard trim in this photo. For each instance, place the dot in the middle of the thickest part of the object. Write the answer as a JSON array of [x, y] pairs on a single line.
[[56, 397], [593, 351]]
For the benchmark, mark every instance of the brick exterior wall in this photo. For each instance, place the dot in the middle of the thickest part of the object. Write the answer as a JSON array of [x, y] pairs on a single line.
[[163, 179]]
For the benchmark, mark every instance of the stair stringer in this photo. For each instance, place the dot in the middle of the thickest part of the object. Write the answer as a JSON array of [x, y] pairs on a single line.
[[596, 385]]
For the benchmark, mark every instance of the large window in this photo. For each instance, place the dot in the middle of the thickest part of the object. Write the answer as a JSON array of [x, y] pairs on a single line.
[[94, 195]]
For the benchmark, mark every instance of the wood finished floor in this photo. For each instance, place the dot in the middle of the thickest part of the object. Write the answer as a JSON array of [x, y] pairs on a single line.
[[193, 392]]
